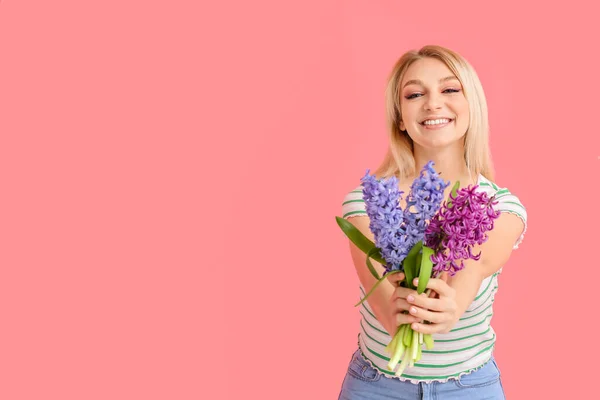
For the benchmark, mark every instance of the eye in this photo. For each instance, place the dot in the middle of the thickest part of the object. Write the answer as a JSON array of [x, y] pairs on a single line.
[[412, 96]]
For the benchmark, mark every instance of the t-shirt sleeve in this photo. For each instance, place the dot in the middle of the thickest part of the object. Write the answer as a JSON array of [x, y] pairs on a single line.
[[508, 202], [353, 204]]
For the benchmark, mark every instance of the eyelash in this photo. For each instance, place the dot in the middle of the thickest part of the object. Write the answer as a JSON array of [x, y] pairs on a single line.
[[411, 96]]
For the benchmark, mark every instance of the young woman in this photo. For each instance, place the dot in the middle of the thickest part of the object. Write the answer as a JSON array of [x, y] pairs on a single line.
[[436, 110]]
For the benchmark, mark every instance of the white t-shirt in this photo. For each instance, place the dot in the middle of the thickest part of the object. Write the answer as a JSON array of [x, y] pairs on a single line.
[[470, 343]]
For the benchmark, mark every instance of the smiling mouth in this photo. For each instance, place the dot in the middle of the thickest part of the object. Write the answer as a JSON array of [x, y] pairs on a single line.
[[444, 123]]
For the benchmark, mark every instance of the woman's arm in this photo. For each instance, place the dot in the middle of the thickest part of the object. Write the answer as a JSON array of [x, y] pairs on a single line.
[[495, 252], [381, 301], [459, 292]]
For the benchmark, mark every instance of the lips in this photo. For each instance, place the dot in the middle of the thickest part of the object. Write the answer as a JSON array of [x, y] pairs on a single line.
[[437, 126], [432, 119]]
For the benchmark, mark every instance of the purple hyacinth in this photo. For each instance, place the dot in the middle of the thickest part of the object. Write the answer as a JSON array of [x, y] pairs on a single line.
[[382, 199], [423, 201], [453, 231]]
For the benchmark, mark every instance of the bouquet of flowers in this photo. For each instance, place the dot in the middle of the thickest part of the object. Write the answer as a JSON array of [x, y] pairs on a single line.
[[423, 240]]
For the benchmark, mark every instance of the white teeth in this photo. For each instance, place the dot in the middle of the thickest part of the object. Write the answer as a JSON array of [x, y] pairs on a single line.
[[436, 121]]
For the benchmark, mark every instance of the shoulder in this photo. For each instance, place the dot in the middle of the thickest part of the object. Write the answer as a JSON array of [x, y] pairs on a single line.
[[507, 202], [353, 204]]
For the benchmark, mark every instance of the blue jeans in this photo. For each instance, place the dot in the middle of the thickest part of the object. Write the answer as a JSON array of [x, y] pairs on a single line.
[[364, 382]]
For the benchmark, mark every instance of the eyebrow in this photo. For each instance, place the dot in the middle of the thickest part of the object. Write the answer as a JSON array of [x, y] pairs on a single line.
[[419, 82]]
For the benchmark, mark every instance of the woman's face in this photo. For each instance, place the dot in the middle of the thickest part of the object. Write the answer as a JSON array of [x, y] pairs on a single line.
[[429, 90]]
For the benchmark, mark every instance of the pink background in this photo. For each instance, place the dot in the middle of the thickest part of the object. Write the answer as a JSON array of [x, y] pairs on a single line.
[[171, 171]]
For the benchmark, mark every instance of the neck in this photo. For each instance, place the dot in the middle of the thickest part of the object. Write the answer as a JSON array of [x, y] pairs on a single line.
[[449, 163]]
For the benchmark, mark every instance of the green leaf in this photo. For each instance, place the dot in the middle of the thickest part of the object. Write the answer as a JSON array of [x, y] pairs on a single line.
[[426, 267], [359, 239], [410, 264], [374, 250], [418, 264], [454, 191], [384, 277]]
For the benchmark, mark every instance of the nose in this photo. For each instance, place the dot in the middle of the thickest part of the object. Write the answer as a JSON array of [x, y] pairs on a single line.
[[434, 101]]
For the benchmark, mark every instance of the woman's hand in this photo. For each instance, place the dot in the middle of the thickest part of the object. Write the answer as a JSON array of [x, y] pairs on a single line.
[[440, 310], [399, 307]]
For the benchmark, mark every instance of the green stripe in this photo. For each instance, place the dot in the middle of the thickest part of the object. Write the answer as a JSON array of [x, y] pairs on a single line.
[[495, 287], [464, 337], [453, 364], [429, 351], [418, 377], [479, 313], [367, 310], [504, 195], [503, 192], [517, 204], [355, 212], [492, 185], [458, 350], [485, 290], [438, 376], [426, 365], [379, 330], [356, 191], [369, 336], [353, 201], [470, 326], [378, 355], [476, 298], [364, 304], [461, 319]]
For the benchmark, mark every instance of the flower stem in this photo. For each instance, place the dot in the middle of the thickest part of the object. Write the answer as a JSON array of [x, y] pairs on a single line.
[[397, 347], [391, 347], [428, 340], [407, 336], [404, 362], [415, 344]]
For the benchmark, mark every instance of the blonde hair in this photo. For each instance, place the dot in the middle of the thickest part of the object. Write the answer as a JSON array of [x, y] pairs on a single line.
[[399, 159]]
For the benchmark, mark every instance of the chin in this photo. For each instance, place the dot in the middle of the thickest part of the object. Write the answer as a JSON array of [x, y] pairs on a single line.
[[446, 136], [439, 142]]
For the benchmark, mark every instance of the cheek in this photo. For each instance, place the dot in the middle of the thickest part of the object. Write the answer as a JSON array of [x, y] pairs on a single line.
[[463, 110]]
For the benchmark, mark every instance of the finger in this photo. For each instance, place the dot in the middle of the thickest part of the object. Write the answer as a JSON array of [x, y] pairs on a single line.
[[431, 316], [402, 293], [395, 279], [439, 286], [401, 305], [402, 319], [427, 328], [429, 303]]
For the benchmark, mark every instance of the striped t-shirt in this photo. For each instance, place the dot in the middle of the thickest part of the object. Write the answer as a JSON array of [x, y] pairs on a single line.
[[470, 343]]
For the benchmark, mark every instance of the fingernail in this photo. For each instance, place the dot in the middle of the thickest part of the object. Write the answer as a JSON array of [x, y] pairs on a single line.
[[416, 281], [415, 326], [413, 310], [410, 298]]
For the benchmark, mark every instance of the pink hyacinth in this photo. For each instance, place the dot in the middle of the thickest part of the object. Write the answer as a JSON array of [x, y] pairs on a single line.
[[456, 228]]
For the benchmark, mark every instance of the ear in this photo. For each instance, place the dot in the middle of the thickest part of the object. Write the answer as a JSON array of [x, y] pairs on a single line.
[[402, 127]]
